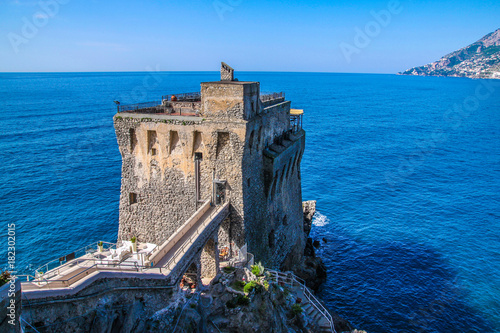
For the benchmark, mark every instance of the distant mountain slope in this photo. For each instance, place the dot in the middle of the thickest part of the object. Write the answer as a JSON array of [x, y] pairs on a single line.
[[478, 60]]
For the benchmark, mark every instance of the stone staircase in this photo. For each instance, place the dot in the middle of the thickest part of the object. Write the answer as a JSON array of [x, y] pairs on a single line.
[[312, 307], [314, 315]]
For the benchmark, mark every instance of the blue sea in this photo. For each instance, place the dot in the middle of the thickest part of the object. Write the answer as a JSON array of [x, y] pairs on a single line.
[[405, 171]]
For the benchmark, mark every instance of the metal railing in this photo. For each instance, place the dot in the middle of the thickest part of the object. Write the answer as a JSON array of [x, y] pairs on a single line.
[[97, 265], [52, 268], [195, 235], [293, 280], [185, 97], [154, 107], [182, 230], [271, 96], [33, 328]]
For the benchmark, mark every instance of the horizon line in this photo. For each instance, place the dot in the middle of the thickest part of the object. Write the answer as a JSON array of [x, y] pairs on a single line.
[[194, 71]]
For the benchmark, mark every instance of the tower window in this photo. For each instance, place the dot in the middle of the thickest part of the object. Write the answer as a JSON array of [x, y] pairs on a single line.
[[198, 156], [133, 139], [151, 142], [133, 198]]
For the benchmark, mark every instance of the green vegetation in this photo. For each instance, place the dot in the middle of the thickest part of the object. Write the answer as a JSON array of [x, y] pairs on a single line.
[[133, 239], [491, 50], [242, 300], [265, 284], [258, 269], [4, 278], [228, 269], [250, 286], [238, 285], [257, 286], [100, 243], [296, 309]]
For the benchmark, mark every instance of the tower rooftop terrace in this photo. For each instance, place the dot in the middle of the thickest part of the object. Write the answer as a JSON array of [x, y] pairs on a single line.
[[188, 104]]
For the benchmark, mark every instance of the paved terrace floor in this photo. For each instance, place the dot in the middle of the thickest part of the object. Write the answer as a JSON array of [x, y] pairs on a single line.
[[160, 116], [88, 266]]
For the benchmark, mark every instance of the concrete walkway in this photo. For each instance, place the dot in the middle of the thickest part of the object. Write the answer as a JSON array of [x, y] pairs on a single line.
[[188, 239], [78, 271]]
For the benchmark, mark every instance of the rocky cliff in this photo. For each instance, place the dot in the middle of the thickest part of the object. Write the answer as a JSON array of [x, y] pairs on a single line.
[[236, 301], [228, 307], [478, 60]]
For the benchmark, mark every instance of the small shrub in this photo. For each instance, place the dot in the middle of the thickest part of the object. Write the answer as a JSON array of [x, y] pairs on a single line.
[[265, 284], [242, 300], [296, 309], [4, 278], [238, 285], [250, 286], [258, 269]]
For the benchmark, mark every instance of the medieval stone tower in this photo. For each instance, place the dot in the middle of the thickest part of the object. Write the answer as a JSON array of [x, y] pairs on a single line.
[[226, 143]]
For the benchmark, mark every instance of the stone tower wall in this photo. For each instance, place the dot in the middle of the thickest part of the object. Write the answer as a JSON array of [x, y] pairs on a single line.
[[236, 135], [273, 198]]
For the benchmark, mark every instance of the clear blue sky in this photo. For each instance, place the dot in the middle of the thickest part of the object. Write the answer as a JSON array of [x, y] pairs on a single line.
[[126, 35]]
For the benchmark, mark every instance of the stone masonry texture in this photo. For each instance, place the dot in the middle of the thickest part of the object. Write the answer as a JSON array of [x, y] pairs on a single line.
[[246, 146]]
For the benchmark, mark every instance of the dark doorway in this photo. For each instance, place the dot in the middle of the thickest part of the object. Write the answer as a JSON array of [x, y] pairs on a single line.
[[220, 192]]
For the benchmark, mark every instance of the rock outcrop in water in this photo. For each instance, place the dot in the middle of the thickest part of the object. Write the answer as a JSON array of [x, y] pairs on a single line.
[[311, 268], [478, 60]]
